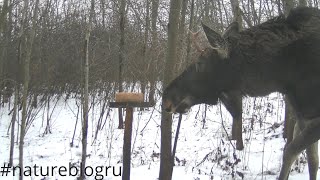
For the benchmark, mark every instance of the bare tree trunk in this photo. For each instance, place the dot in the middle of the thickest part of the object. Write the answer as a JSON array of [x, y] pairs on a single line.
[[3, 16], [190, 29], [181, 36], [220, 4], [13, 122], [254, 12], [26, 77], [287, 6], [154, 16], [166, 161], [236, 12], [154, 41], [145, 79], [183, 19], [86, 93], [121, 53], [85, 105], [48, 128], [103, 12]]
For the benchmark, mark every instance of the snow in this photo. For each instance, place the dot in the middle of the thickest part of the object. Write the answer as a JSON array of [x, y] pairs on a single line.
[[203, 151]]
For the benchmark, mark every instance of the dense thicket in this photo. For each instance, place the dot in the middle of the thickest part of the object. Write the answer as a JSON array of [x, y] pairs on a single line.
[[57, 56]]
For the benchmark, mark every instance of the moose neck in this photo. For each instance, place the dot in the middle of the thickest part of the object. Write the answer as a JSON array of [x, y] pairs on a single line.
[[228, 76]]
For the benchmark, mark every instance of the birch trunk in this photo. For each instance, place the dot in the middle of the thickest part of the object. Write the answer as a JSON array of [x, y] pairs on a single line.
[[85, 106], [26, 76]]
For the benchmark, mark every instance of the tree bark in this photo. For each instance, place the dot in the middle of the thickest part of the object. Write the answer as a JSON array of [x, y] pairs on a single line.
[[181, 37], [166, 163], [85, 106], [146, 78], [154, 41], [190, 29], [122, 11], [3, 15], [26, 77], [13, 122], [4, 39], [236, 12]]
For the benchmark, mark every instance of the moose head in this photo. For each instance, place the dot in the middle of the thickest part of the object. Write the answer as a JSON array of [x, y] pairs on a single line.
[[194, 85]]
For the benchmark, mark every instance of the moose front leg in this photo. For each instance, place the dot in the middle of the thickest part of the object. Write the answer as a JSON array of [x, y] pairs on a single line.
[[311, 151], [289, 121], [237, 132], [307, 138], [233, 102], [313, 160]]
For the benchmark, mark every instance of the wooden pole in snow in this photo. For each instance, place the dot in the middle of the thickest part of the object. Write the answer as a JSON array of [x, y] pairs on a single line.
[[128, 101]]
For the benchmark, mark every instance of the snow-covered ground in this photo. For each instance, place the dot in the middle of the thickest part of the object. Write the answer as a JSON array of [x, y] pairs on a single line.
[[203, 152]]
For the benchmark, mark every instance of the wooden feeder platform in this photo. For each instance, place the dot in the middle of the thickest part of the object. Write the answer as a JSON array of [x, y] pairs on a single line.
[[128, 101], [130, 104]]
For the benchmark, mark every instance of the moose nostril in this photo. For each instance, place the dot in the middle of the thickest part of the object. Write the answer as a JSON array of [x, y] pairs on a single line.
[[167, 109]]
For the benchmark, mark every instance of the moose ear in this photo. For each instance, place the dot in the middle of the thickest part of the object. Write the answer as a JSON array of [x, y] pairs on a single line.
[[214, 38], [232, 30]]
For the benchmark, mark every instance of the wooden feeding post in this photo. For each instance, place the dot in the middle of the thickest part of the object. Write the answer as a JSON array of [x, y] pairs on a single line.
[[128, 101]]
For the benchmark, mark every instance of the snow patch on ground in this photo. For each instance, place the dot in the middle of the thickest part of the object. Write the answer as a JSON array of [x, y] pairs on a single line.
[[203, 152]]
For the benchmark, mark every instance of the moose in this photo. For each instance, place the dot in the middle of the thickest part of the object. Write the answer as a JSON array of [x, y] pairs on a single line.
[[280, 55]]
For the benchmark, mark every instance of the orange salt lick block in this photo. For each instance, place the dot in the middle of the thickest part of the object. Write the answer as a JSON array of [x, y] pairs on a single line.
[[129, 97]]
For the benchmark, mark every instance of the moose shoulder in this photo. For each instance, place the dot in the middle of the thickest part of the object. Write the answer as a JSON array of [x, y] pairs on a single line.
[[280, 55]]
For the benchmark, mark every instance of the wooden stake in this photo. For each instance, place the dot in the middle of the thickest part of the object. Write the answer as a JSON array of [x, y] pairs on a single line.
[[127, 143]]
